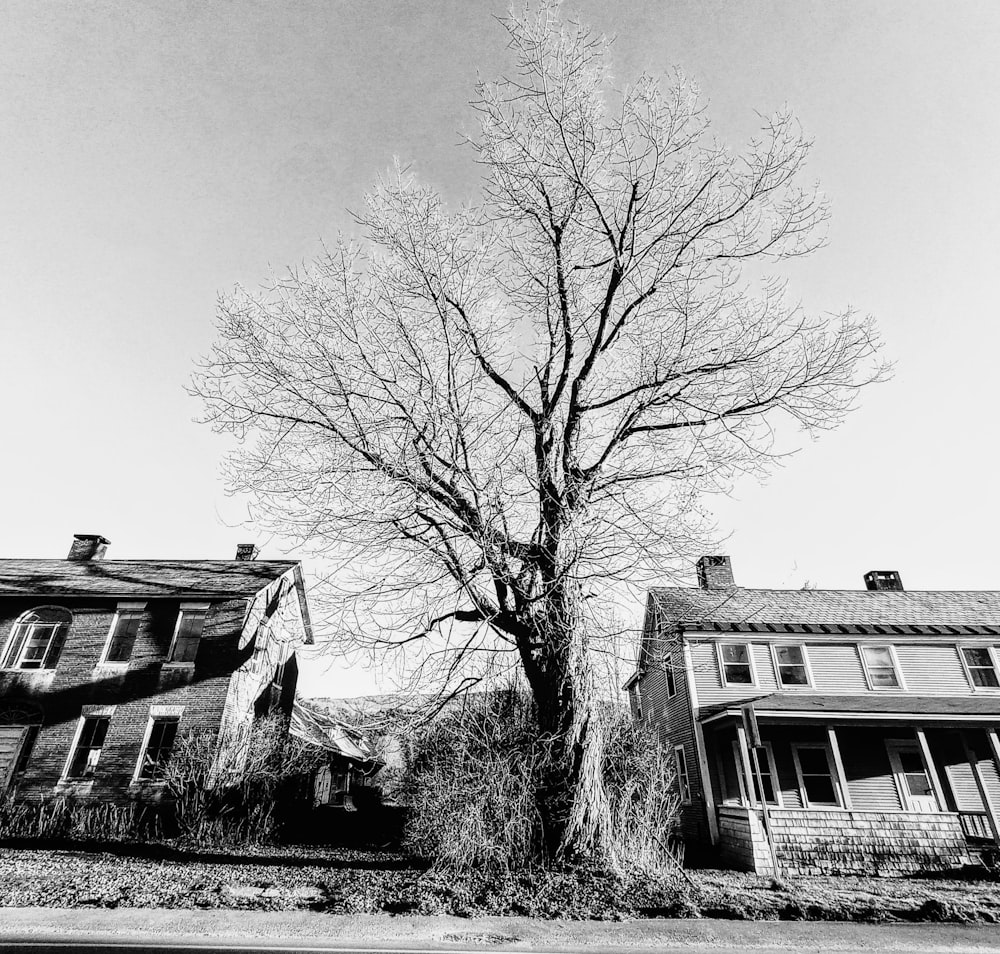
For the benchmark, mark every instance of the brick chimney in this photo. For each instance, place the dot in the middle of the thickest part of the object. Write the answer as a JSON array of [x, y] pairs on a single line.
[[883, 580], [715, 573], [246, 551], [88, 546]]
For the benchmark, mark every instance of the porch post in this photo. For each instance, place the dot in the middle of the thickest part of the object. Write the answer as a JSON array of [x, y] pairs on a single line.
[[981, 785], [741, 735], [838, 762], [932, 773]]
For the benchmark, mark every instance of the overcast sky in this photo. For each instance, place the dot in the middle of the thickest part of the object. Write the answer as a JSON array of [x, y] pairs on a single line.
[[154, 154]]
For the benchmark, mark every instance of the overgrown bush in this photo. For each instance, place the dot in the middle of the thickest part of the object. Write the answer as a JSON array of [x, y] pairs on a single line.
[[239, 796], [474, 772]]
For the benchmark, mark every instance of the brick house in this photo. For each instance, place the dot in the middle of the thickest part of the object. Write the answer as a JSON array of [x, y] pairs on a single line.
[[846, 730], [104, 663]]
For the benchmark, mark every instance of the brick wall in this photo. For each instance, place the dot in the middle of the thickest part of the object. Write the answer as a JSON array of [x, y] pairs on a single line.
[[840, 842], [79, 684]]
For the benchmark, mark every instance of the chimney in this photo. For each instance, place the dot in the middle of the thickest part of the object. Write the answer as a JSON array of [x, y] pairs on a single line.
[[715, 573], [884, 580], [88, 546], [246, 551]]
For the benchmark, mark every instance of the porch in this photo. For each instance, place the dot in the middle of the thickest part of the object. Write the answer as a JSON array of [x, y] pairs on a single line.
[[855, 792]]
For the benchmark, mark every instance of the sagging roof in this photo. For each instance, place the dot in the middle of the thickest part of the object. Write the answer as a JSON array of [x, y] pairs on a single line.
[[139, 578], [889, 705], [884, 612], [318, 727]]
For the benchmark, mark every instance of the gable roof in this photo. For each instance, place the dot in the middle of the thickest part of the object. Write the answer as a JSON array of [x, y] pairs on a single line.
[[940, 612], [139, 578]]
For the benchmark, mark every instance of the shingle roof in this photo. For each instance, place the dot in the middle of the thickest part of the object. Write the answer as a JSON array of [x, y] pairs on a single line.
[[134, 578], [902, 705], [946, 612]]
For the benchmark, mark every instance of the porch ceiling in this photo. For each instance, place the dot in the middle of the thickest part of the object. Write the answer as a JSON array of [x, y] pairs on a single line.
[[889, 706]]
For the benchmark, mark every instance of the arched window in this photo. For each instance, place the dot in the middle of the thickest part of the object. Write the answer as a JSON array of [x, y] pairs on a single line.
[[36, 638]]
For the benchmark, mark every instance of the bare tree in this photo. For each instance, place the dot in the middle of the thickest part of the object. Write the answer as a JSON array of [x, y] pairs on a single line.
[[491, 415]]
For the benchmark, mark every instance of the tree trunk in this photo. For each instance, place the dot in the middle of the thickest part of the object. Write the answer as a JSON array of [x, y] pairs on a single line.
[[570, 796]]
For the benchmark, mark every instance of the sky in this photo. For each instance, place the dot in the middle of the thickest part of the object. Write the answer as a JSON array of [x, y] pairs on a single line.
[[155, 154]]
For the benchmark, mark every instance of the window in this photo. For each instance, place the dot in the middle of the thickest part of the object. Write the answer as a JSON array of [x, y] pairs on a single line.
[[87, 752], [160, 737], [735, 664], [637, 702], [36, 638], [768, 774], [187, 635], [670, 678], [121, 636], [980, 666], [815, 774], [27, 745], [880, 667], [790, 664], [681, 768]]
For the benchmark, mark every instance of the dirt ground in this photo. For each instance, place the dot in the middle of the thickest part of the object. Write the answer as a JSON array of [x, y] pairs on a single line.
[[346, 882]]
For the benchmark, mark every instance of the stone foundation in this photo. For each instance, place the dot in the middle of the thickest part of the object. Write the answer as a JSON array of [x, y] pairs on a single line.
[[842, 842]]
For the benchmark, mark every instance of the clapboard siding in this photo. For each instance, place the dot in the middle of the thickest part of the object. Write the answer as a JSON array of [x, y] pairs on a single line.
[[869, 773], [932, 669], [836, 667], [674, 724]]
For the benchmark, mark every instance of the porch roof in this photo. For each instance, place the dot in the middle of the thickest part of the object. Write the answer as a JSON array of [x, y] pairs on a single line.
[[985, 707]]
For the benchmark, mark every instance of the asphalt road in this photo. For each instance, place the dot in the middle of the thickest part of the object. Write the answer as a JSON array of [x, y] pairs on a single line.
[[44, 930]]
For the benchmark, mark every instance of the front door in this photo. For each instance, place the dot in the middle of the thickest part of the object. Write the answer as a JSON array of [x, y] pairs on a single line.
[[912, 777]]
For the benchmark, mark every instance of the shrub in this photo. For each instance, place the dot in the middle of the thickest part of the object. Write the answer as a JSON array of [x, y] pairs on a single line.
[[227, 797], [474, 772]]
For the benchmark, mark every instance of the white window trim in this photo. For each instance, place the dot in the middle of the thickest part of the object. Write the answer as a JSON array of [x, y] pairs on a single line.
[[805, 662], [155, 712], [184, 608], [961, 647], [754, 682], [683, 780], [90, 712], [831, 767], [668, 672], [895, 665], [122, 609]]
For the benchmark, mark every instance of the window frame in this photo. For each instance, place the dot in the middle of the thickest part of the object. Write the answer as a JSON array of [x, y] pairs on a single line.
[[726, 684], [808, 684], [897, 668], [127, 608], [17, 665], [188, 607], [670, 676], [102, 713], [162, 714], [682, 774], [831, 767], [991, 652]]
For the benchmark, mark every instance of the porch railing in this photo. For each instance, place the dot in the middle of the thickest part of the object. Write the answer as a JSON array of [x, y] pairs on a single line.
[[976, 825]]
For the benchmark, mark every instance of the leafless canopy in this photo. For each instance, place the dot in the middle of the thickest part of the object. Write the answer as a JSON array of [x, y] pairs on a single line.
[[489, 414]]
